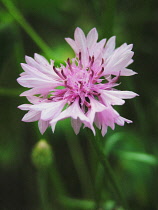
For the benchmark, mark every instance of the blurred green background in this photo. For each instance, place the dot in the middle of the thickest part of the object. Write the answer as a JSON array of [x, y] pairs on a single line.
[[132, 149]]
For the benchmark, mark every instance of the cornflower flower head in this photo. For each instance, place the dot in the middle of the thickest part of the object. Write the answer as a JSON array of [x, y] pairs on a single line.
[[84, 89]]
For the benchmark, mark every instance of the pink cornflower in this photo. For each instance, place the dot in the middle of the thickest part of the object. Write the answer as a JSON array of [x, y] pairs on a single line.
[[83, 89]]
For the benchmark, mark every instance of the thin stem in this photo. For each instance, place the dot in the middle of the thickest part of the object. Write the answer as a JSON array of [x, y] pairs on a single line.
[[51, 177], [26, 26], [79, 163], [93, 166], [99, 182], [42, 185], [57, 183], [108, 170]]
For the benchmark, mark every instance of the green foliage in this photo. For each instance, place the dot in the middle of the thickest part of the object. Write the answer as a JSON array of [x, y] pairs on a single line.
[[136, 156]]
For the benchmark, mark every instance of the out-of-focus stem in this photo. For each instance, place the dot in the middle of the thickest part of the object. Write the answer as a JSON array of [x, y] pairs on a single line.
[[108, 170], [47, 174], [79, 163], [43, 191], [57, 183], [26, 26]]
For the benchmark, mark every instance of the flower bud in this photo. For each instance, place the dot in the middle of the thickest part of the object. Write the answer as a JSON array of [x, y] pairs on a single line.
[[42, 155]]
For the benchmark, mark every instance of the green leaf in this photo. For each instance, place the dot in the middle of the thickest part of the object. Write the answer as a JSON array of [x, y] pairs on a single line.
[[136, 156]]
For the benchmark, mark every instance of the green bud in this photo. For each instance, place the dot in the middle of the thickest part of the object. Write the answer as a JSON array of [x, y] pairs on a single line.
[[42, 155]]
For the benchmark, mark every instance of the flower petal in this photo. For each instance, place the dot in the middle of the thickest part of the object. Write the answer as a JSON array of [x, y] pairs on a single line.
[[96, 106], [25, 106], [76, 124], [80, 39], [74, 111], [43, 125], [110, 99], [122, 94], [34, 72], [31, 116], [118, 60], [38, 90], [121, 121], [31, 82], [41, 60], [109, 48], [106, 118], [126, 72], [98, 48], [53, 110], [72, 43], [92, 38]]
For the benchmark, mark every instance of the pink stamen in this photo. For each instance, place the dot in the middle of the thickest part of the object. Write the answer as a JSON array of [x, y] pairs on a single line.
[[62, 72], [68, 61], [102, 61], [58, 73], [87, 104], [80, 62], [102, 70]]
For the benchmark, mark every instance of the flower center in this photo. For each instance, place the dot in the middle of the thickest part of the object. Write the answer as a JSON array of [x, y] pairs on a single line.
[[79, 81]]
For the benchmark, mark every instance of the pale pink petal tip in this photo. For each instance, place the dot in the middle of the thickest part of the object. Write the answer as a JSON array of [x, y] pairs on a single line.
[[43, 125]]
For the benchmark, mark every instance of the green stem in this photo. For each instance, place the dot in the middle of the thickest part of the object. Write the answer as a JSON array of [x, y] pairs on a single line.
[[79, 163], [108, 170], [42, 185], [51, 177], [57, 183], [99, 182], [26, 26], [93, 167]]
